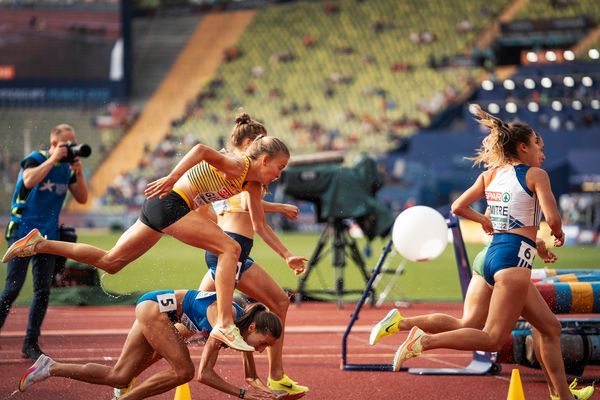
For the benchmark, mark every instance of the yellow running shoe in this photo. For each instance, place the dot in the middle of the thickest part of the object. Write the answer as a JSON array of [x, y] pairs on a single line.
[[579, 394], [231, 337], [410, 348], [386, 326], [287, 385], [24, 247], [118, 392]]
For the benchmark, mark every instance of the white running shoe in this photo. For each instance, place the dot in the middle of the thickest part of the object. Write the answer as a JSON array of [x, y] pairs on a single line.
[[231, 337], [24, 247], [39, 371], [410, 348]]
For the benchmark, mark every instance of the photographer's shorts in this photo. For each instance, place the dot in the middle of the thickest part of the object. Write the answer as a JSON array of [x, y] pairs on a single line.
[[508, 250], [244, 262], [160, 213]]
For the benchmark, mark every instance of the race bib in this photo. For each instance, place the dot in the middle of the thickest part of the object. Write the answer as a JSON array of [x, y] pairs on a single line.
[[167, 302], [526, 255], [204, 198], [498, 204]]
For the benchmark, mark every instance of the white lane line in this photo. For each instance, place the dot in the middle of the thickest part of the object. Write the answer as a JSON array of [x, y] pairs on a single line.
[[96, 332]]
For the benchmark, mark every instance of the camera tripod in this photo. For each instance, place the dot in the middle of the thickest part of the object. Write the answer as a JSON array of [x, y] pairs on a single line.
[[336, 234]]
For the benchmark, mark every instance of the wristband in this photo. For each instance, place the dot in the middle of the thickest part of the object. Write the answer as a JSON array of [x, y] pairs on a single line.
[[242, 393]]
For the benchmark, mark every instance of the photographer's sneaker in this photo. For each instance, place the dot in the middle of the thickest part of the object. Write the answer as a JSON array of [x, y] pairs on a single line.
[[578, 394], [24, 247], [31, 350], [39, 371], [231, 337], [386, 326], [285, 384], [410, 348]]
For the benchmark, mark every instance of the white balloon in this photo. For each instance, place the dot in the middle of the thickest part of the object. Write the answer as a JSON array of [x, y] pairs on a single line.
[[420, 233]]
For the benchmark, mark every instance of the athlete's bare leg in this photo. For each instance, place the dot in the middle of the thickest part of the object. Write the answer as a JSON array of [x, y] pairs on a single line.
[[134, 242], [197, 230]]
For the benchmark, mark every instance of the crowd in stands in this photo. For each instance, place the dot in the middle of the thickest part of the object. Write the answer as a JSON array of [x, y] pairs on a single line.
[[580, 209], [361, 83], [128, 189]]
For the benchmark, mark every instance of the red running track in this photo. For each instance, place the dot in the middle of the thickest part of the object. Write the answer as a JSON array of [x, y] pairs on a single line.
[[312, 356]]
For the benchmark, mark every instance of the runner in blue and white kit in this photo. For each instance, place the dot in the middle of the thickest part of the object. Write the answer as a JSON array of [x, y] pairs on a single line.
[[517, 194], [154, 332]]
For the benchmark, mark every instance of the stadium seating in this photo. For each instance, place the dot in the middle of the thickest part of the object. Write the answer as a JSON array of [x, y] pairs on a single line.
[[282, 80], [560, 9], [348, 78]]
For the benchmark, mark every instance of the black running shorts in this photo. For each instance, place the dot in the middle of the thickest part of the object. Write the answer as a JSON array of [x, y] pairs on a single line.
[[160, 213]]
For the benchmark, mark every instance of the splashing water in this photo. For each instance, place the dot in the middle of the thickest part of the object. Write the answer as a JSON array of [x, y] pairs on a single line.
[[106, 292]]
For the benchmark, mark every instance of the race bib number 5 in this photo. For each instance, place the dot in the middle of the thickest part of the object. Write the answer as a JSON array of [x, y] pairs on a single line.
[[167, 302], [526, 255]]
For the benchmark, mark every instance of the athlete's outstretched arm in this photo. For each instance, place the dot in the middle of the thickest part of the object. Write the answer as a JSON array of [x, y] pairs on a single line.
[[208, 376], [250, 373], [226, 163], [257, 214], [289, 211], [462, 205], [539, 181]]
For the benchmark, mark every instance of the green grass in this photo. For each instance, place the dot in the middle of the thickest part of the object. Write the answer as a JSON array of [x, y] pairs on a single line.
[[173, 265]]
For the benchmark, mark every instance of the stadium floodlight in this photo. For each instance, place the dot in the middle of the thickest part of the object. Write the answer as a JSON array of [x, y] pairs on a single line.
[[550, 56], [569, 55], [529, 83], [577, 105], [493, 108], [568, 81], [533, 107], [594, 54], [546, 82], [557, 105], [595, 104], [511, 107], [509, 84], [532, 57], [473, 108], [587, 81], [487, 85]]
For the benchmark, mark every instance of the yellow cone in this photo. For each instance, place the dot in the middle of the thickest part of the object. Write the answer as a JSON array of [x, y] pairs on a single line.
[[183, 392], [515, 390]]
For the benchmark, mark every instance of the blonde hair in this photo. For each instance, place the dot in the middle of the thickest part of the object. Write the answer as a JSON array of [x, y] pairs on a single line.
[[245, 128], [58, 129], [268, 145], [499, 147]]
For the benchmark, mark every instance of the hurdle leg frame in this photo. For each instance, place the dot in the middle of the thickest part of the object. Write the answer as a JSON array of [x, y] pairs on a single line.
[[482, 363]]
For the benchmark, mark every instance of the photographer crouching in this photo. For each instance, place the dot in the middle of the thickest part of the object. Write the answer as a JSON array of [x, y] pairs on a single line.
[[37, 201]]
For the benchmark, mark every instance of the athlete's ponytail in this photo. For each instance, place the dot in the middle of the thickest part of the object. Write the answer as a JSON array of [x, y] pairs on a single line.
[[266, 322], [245, 128], [500, 145]]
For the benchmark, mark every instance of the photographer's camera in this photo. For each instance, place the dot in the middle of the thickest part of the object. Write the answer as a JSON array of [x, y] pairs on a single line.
[[75, 150]]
